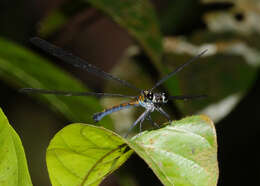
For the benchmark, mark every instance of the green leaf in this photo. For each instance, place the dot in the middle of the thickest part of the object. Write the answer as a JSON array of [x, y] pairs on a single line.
[[13, 165], [22, 68], [84, 155], [183, 153], [139, 18]]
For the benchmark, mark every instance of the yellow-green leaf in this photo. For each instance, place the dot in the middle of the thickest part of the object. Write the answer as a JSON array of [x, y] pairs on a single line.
[[182, 153], [13, 165], [83, 154]]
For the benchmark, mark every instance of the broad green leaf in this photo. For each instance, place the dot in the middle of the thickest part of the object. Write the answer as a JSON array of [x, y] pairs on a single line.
[[183, 153], [83, 154], [13, 166], [22, 68]]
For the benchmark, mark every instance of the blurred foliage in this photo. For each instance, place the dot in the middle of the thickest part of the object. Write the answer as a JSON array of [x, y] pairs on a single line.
[[57, 18], [142, 25], [224, 64], [13, 165], [242, 18]]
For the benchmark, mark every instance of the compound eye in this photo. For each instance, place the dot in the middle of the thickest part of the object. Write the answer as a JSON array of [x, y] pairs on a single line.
[[150, 96]]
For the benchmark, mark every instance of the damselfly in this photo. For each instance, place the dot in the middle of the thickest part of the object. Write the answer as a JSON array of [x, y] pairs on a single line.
[[149, 100]]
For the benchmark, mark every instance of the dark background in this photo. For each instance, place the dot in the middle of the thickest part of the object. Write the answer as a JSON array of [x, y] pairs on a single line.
[[93, 35]]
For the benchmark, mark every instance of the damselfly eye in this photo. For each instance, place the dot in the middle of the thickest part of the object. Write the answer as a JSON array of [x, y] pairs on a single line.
[[150, 96]]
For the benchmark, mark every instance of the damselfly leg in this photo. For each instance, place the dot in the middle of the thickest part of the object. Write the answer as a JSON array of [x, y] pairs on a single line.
[[140, 119], [159, 109], [149, 118]]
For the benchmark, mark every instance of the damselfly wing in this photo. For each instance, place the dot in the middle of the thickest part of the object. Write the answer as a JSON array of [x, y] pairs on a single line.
[[149, 100]]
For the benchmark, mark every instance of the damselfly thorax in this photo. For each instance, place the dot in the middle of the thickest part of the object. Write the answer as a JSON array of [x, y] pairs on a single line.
[[149, 100]]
